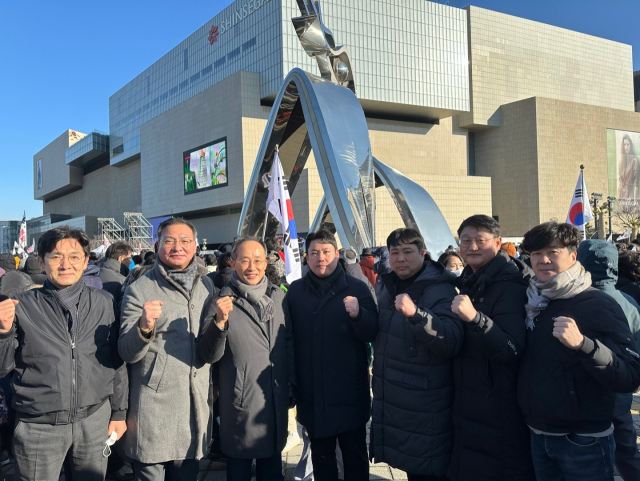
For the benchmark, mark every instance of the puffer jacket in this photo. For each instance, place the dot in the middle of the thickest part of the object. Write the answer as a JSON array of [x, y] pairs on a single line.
[[413, 383], [491, 438], [32, 269]]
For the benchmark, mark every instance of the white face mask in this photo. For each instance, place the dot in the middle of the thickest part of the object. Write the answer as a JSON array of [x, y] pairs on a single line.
[[457, 272]]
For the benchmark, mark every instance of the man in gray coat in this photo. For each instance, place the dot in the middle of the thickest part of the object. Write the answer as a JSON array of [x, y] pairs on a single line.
[[245, 335], [169, 416]]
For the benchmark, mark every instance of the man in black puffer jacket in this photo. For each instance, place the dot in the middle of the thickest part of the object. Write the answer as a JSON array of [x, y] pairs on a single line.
[[579, 353], [33, 270], [629, 274], [491, 438], [418, 336]]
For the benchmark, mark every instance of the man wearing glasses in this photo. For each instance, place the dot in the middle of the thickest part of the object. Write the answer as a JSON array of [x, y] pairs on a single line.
[[70, 385], [245, 335], [169, 416]]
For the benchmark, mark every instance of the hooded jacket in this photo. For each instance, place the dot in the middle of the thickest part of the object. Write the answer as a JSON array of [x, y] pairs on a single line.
[[7, 262], [91, 276], [112, 275], [413, 385], [600, 258], [491, 438], [383, 266], [12, 282], [32, 269], [367, 265]]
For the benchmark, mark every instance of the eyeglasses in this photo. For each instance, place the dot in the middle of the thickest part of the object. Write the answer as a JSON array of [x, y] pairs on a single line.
[[57, 259], [246, 263], [170, 242], [479, 241]]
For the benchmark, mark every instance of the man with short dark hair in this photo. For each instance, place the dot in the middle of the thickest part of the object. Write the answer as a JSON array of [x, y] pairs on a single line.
[[169, 417], [579, 353], [332, 317], [491, 439], [418, 336], [114, 268], [245, 335], [70, 385]]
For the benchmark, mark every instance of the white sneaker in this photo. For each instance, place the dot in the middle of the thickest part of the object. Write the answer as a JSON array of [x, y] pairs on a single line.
[[293, 439]]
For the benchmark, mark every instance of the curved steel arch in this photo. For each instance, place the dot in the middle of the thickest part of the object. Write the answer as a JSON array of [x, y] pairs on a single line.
[[312, 114]]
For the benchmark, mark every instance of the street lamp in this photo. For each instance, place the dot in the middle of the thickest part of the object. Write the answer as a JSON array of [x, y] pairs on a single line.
[[610, 200], [595, 197]]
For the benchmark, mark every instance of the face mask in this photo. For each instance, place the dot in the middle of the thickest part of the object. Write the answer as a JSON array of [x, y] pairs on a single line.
[[377, 260], [457, 272]]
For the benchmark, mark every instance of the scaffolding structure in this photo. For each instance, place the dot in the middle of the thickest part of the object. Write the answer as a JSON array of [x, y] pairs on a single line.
[[139, 231], [109, 229]]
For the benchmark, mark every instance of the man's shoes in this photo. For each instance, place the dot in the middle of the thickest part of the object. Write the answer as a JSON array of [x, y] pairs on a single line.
[[293, 439]]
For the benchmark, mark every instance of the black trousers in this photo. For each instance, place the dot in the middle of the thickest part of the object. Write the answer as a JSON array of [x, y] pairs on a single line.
[[180, 470], [353, 445], [267, 469]]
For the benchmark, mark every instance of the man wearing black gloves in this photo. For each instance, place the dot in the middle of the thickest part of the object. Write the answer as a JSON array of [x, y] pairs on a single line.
[[491, 438], [332, 316], [70, 386], [579, 353]]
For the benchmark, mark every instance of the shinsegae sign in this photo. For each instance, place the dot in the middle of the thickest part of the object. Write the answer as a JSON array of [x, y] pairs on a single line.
[[236, 17]]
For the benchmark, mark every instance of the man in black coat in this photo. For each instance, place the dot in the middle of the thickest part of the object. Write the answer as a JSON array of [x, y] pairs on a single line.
[[491, 438], [245, 339], [418, 336], [579, 353], [114, 268], [332, 316]]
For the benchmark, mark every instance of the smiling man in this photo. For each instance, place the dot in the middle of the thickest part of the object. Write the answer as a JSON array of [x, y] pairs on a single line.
[[169, 418], [332, 316], [245, 335], [69, 384], [579, 353], [418, 336]]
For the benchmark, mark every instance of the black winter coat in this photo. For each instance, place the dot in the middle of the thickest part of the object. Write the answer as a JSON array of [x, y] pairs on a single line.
[[112, 275], [565, 391], [412, 427], [32, 269], [332, 374], [491, 438], [629, 287], [253, 376], [51, 375]]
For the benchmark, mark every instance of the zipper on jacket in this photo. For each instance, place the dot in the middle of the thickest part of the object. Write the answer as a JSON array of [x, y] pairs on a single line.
[[74, 370]]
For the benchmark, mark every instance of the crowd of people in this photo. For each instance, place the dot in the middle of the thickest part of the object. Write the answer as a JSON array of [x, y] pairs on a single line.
[[484, 364]]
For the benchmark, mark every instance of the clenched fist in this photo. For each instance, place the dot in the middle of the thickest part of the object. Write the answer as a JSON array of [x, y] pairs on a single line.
[[566, 331], [405, 305], [224, 306], [352, 307], [151, 312], [7, 313], [462, 306]]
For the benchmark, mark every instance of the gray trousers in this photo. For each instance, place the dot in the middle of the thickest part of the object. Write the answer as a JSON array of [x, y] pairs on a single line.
[[40, 449], [180, 470]]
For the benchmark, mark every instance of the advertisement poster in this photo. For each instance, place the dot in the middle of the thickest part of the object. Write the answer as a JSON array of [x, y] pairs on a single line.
[[206, 167], [39, 173], [623, 148]]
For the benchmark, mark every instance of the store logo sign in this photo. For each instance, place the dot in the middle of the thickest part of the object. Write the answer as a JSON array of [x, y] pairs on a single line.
[[213, 34], [236, 17]]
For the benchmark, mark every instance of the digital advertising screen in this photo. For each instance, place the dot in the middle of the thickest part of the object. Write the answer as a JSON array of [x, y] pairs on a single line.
[[623, 153], [205, 167]]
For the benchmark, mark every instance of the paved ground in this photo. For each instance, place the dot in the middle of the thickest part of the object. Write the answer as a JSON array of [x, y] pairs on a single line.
[[213, 471]]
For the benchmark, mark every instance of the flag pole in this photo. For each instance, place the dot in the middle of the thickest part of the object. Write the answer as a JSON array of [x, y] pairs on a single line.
[[266, 211], [584, 190]]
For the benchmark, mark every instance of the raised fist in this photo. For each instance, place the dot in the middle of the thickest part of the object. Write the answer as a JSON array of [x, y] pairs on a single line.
[[566, 331], [151, 312], [463, 306], [7, 314], [405, 305], [352, 307], [224, 305]]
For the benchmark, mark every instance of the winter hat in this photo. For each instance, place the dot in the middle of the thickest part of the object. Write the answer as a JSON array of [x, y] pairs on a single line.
[[366, 252], [349, 255]]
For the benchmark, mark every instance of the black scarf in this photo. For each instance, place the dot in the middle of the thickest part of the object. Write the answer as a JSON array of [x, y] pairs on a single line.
[[68, 298], [186, 277], [322, 285], [474, 284]]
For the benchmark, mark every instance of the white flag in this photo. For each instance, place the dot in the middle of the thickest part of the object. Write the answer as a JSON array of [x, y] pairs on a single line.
[[580, 210], [626, 235], [105, 241], [279, 204], [22, 236]]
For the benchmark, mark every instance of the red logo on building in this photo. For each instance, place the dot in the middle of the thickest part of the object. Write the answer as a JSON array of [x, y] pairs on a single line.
[[213, 34]]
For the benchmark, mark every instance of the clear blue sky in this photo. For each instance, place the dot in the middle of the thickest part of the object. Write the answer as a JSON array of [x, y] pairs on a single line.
[[60, 62]]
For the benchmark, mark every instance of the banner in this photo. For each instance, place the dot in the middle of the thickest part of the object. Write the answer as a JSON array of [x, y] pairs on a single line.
[[279, 204], [580, 210], [22, 236]]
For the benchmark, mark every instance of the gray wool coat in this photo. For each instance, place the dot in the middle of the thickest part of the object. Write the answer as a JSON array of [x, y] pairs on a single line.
[[253, 360], [169, 416]]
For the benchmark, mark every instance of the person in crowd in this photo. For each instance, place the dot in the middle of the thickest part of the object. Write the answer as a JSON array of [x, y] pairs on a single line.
[[418, 336], [452, 261], [93, 257], [629, 274], [245, 335], [332, 317], [70, 386], [210, 262], [33, 270], [114, 268], [367, 264], [13, 281], [348, 259], [491, 439], [137, 260], [271, 273], [382, 266], [524, 256], [509, 248], [169, 415], [149, 258], [223, 273], [579, 353], [600, 259]]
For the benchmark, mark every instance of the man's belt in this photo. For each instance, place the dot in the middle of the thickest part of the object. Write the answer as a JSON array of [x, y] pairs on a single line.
[[59, 417]]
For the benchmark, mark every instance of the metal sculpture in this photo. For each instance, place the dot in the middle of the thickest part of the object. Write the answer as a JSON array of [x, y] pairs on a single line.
[[323, 115]]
